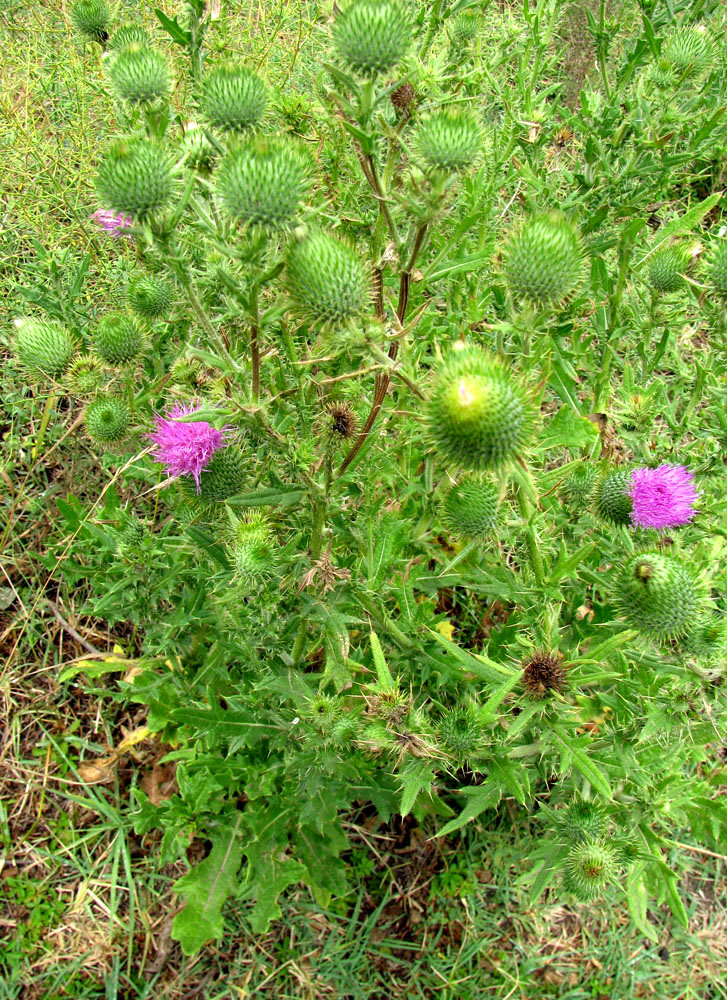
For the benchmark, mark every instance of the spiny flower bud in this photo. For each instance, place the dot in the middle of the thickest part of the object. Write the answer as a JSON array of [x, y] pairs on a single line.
[[578, 486], [107, 419], [199, 153], [707, 640], [689, 51], [324, 711], [129, 34], [582, 821], [221, 478], [471, 509], [666, 267], [448, 140], [118, 338], [402, 97], [251, 546], [659, 595], [91, 18], [543, 673], [718, 268], [136, 177], [611, 498], [590, 869], [43, 346], [263, 182], [85, 376], [344, 732], [327, 279], [477, 414], [544, 260], [465, 28], [140, 74], [233, 98], [149, 296], [372, 36], [461, 733]]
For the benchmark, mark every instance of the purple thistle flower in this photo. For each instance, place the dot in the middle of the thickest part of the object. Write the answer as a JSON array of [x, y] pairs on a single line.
[[663, 497], [112, 222], [185, 447]]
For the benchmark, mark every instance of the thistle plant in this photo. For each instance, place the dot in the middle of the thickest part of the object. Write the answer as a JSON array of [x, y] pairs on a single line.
[[372, 405]]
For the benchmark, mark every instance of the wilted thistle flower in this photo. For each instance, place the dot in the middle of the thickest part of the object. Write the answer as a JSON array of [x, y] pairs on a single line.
[[149, 296], [264, 181], [471, 509], [402, 97], [582, 821], [43, 346], [544, 673], [659, 595], [666, 267], [341, 423], [107, 419], [91, 18], [718, 268], [129, 34], [590, 869], [544, 260], [327, 279], [136, 177], [185, 447], [140, 74], [372, 36], [118, 338], [112, 222], [233, 98], [448, 140], [663, 497], [85, 376], [477, 415], [611, 497]]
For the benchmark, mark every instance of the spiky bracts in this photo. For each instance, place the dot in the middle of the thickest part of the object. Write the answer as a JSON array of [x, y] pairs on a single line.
[[91, 18], [402, 97], [372, 36], [107, 419], [340, 422], [578, 486], [251, 547], [233, 98], [140, 74], [221, 478], [666, 267], [471, 509], [149, 296], [543, 674], [582, 821], [136, 177], [461, 733], [328, 281], [118, 338], [85, 376], [707, 639], [447, 140], [718, 268], [478, 417], [611, 499], [659, 595], [590, 868], [688, 51], [128, 34], [43, 347], [263, 182], [543, 260]]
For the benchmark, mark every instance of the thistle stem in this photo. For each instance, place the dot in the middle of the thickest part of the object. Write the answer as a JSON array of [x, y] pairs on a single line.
[[254, 345]]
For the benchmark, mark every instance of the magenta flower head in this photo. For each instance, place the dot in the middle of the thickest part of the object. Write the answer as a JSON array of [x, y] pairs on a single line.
[[112, 222], [185, 447], [663, 497]]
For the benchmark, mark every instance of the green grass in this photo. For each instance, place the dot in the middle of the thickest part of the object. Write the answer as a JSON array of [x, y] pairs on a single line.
[[85, 904]]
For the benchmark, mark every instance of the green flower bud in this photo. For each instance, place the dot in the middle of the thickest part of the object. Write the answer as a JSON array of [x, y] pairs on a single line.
[[252, 548], [471, 509], [327, 279], [707, 640], [465, 28], [544, 260], [140, 74], [91, 18], [477, 414], [610, 497], [129, 34], [448, 140], [583, 821], [659, 595], [263, 182], [223, 477], [344, 732], [666, 267], [233, 98], [107, 419], [372, 36], [149, 296], [118, 338], [85, 376], [43, 346], [578, 486], [590, 869], [689, 51], [199, 152], [461, 733], [136, 177], [718, 268]]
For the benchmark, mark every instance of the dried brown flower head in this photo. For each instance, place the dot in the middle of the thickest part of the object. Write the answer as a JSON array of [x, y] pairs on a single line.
[[543, 673]]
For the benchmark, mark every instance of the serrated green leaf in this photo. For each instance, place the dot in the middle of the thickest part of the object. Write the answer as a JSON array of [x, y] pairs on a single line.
[[568, 429], [480, 798], [418, 776], [276, 877], [638, 899]]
